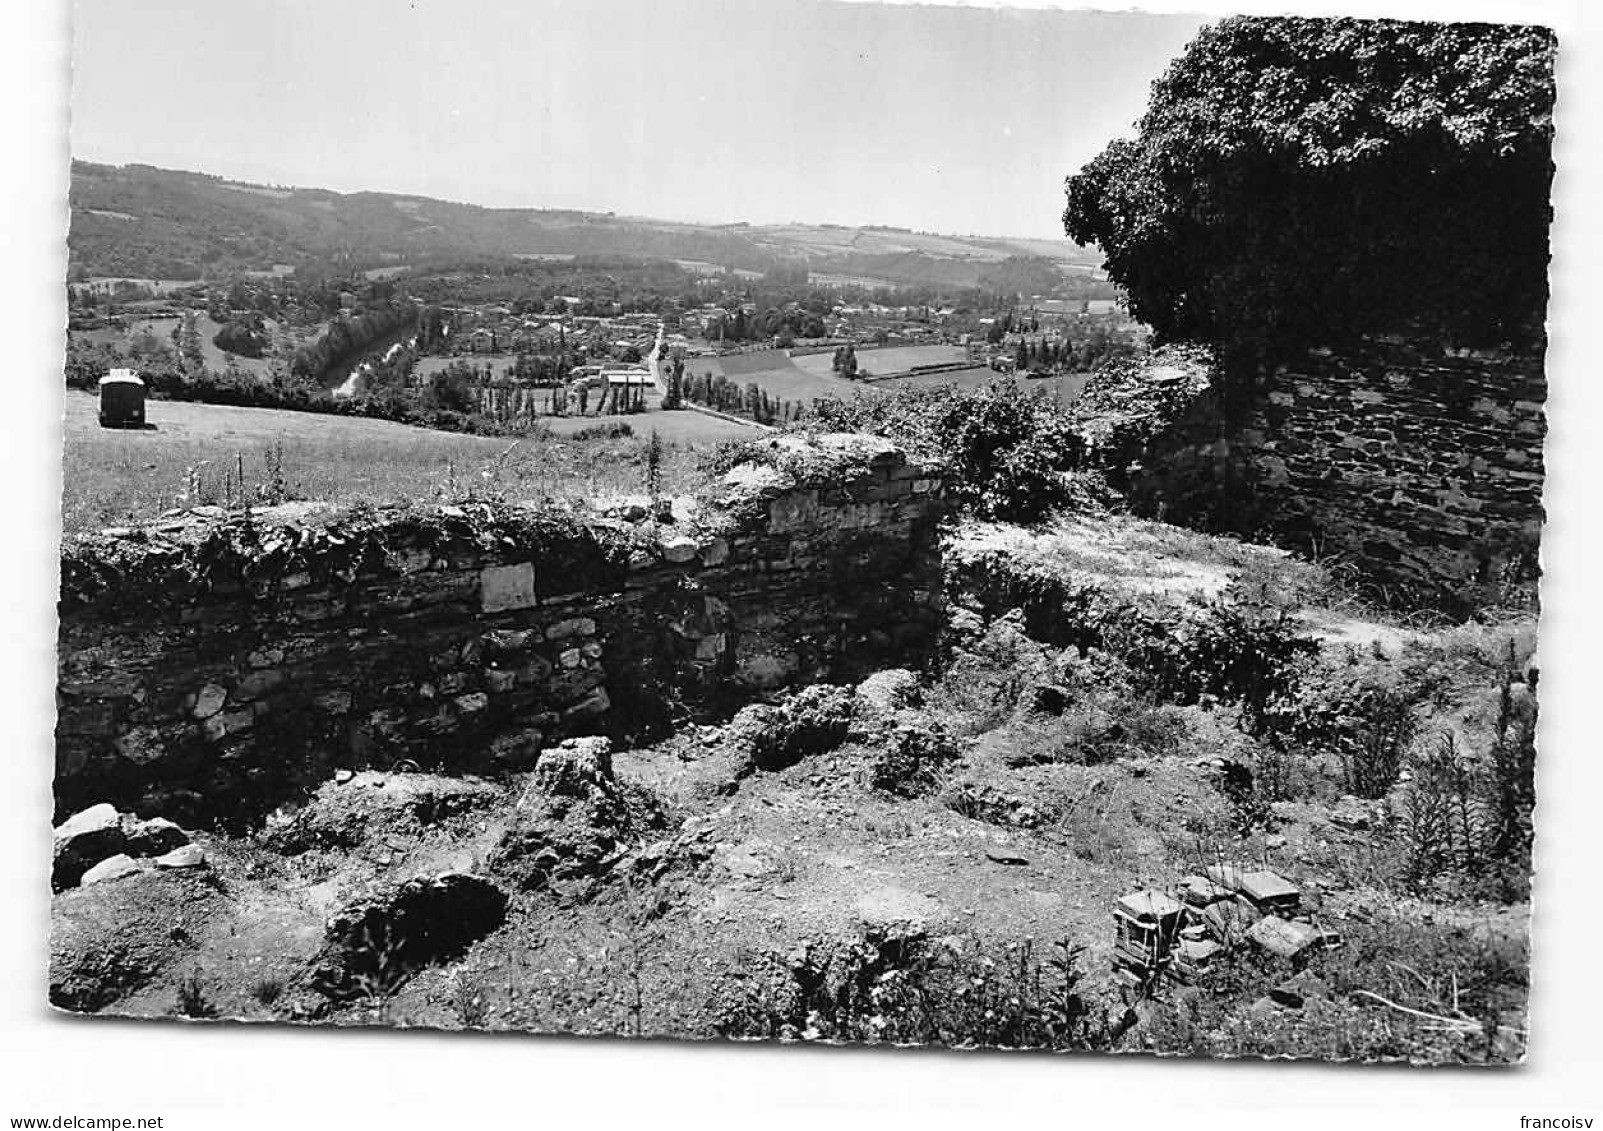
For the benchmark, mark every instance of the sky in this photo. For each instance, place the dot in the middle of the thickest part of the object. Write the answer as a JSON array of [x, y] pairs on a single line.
[[957, 120]]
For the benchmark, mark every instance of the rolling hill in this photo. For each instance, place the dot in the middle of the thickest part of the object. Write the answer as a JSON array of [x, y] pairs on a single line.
[[141, 221]]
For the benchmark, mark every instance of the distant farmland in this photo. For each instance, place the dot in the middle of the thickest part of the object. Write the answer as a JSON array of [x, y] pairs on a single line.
[[774, 373], [156, 286], [427, 367], [809, 376], [1066, 388], [886, 360], [162, 328]]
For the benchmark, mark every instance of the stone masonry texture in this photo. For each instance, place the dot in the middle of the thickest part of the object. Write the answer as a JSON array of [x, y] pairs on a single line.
[[1423, 467], [214, 666]]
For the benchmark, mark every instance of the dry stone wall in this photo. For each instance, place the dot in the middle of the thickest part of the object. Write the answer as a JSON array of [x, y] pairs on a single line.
[[1425, 468], [215, 665]]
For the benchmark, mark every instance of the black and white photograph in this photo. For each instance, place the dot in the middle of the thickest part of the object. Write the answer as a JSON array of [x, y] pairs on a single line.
[[823, 524]]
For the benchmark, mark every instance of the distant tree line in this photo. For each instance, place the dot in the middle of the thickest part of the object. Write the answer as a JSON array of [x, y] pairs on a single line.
[[773, 323], [1044, 355], [719, 392]]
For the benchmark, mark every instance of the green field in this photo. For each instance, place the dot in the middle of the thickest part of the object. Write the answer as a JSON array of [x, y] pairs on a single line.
[[774, 373], [428, 366], [155, 286], [193, 452], [162, 329], [215, 358], [977, 377], [888, 359], [1065, 388], [681, 426]]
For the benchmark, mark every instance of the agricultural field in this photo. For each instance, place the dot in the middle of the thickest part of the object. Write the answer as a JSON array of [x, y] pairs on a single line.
[[101, 336], [774, 373], [868, 282], [679, 426], [107, 283], [193, 455], [1065, 388], [810, 376], [887, 360], [213, 357], [977, 377], [216, 358], [815, 240], [429, 366]]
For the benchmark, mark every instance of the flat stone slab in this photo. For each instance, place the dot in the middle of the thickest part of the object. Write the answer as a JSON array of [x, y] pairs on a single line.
[[111, 868], [504, 588]]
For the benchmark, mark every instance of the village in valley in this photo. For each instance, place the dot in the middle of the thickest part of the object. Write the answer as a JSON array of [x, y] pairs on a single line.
[[505, 343]]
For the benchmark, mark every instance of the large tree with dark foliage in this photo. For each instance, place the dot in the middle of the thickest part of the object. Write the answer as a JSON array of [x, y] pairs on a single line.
[[1300, 182]]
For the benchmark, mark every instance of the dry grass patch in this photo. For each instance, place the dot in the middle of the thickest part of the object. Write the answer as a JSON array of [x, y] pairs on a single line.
[[217, 455]]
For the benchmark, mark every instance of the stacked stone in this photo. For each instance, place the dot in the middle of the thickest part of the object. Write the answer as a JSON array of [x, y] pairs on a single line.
[[1424, 467], [463, 646]]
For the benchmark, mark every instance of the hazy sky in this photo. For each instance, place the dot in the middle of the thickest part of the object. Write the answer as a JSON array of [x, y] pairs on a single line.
[[959, 120]]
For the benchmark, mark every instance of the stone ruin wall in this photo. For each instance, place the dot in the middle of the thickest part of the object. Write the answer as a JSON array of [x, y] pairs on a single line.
[[468, 642], [1425, 470]]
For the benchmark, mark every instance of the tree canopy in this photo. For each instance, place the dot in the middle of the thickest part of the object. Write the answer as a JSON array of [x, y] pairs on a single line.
[[1299, 182]]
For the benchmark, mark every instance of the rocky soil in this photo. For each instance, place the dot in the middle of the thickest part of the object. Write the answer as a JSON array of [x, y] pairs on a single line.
[[769, 875]]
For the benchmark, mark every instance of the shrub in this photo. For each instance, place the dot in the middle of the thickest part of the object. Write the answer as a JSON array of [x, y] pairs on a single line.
[[1012, 452], [1400, 989], [1240, 647], [1365, 714], [990, 671], [611, 430], [191, 998], [654, 449], [468, 1002], [980, 801], [1244, 646], [268, 989], [1467, 815], [241, 338], [890, 987]]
